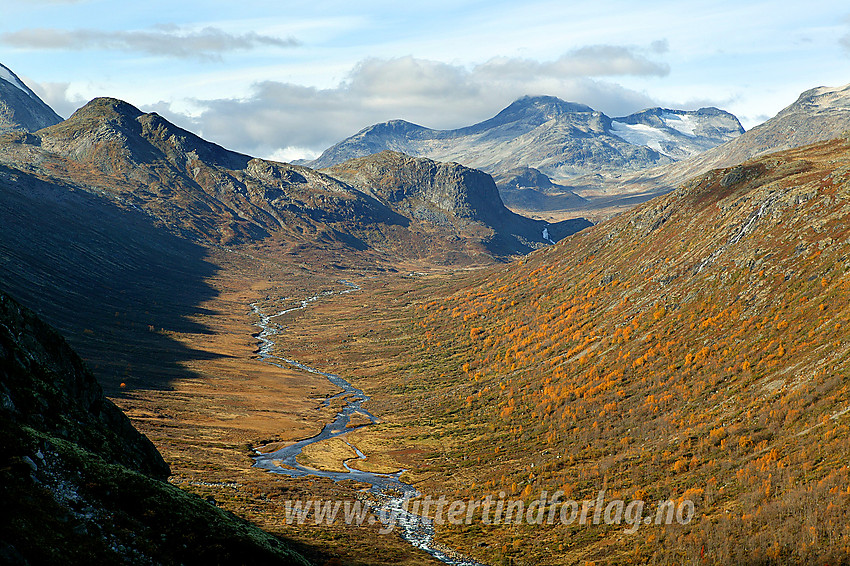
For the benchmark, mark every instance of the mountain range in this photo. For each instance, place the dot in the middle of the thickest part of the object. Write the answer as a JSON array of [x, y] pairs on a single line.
[[562, 159], [561, 139], [207, 192]]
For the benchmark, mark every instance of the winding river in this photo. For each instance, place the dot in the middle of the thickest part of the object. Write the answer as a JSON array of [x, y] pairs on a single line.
[[388, 489]]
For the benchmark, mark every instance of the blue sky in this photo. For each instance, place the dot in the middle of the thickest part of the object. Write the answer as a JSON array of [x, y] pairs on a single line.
[[287, 79]]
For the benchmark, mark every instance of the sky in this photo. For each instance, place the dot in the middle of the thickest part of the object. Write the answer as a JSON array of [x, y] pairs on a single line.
[[287, 79]]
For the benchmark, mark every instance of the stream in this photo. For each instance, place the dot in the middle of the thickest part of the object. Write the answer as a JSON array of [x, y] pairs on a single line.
[[388, 489]]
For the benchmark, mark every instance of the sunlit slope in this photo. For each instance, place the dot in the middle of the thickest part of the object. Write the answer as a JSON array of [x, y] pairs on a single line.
[[696, 347]]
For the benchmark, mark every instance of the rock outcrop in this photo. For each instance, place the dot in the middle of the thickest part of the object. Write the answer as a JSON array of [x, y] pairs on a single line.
[[451, 197]]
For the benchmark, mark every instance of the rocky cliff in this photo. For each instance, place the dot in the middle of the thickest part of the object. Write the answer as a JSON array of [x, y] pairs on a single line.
[[453, 198]]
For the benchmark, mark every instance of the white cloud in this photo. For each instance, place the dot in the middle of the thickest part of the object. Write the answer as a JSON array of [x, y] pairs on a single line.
[[592, 61], [163, 40], [283, 119], [288, 154], [57, 96]]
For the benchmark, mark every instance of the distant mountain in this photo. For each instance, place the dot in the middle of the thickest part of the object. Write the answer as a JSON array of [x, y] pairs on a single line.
[[20, 107], [450, 196], [818, 114], [526, 188], [561, 139]]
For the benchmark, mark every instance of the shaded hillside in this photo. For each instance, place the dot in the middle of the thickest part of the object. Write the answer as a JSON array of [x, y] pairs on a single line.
[[694, 348], [451, 198], [20, 107], [79, 485], [562, 139], [109, 278]]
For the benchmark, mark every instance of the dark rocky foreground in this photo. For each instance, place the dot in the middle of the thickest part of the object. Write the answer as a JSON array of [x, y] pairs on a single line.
[[80, 485]]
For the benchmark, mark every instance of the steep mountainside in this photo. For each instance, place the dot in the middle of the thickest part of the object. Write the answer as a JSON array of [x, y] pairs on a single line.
[[79, 485], [561, 139], [695, 348], [819, 114], [20, 107], [108, 278], [451, 196]]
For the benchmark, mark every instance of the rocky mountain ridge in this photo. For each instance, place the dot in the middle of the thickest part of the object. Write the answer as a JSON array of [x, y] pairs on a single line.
[[559, 138], [449, 194]]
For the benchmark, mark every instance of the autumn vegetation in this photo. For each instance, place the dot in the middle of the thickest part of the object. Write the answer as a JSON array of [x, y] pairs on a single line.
[[694, 348]]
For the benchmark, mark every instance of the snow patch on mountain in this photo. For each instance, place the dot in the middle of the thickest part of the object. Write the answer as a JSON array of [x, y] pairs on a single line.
[[9, 77], [679, 122], [641, 134]]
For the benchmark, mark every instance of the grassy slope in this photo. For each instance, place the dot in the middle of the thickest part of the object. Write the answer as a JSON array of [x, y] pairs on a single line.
[[695, 347]]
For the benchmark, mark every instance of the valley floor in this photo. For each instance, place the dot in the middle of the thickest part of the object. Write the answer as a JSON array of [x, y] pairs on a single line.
[[207, 427]]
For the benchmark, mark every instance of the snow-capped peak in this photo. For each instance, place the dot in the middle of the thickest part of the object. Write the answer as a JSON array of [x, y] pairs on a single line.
[[12, 79]]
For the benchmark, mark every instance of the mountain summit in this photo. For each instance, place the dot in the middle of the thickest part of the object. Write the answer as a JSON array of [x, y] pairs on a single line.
[[561, 139], [530, 110], [20, 107]]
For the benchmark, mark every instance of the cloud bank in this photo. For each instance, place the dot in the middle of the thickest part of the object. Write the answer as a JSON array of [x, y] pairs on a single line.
[[165, 40], [289, 121], [56, 95]]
